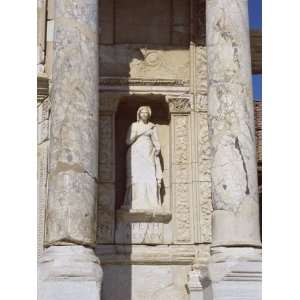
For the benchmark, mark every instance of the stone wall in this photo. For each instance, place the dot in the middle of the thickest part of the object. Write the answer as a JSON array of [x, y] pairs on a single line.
[[43, 111], [173, 69]]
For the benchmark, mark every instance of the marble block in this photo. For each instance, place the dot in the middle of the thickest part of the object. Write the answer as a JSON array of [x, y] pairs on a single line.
[[235, 273], [69, 273], [142, 282], [69, 290], [140, 215]]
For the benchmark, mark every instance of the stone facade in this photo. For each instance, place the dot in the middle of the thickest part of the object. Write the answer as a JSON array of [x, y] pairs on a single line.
[[153, 54]]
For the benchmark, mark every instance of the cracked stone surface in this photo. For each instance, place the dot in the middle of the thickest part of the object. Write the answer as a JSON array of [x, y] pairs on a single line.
[[73, 168], [231, 119]]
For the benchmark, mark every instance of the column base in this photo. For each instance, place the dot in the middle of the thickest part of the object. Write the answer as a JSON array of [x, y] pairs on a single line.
[[237, 230], [235, 273], [69, 273], [194, 285]]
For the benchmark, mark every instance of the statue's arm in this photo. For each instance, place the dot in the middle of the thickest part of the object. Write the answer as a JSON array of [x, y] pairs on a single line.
[[155, 139], [131, 135]]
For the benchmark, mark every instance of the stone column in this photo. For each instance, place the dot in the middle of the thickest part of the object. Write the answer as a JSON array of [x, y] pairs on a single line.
[[232, 134], [231, 125], [69, 268]]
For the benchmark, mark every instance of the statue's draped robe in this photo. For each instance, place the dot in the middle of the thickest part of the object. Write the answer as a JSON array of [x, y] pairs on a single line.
[[143, 167]]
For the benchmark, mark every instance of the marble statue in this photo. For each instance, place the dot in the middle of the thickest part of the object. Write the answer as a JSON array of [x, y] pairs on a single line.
[[144, 172]]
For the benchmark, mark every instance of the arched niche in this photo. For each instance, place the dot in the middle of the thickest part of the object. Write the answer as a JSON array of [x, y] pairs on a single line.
[[125, 115]]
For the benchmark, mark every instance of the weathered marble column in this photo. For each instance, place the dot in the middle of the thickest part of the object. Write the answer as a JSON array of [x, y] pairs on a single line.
[[69, 269], [231, 125], [235, 265]]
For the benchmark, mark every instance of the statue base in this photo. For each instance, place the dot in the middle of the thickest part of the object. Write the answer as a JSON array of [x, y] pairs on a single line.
[[142, 215]]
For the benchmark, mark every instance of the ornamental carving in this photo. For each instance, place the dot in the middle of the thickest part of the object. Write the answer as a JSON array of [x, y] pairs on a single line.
[[138, 62], [179, 105], [115, 81], [205, 212], [200, 104], [106, 153], [201, 70], [182, 213], [181, 175], [181, 139]]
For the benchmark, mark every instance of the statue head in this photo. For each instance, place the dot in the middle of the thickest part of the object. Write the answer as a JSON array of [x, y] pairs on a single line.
[[144, 113]]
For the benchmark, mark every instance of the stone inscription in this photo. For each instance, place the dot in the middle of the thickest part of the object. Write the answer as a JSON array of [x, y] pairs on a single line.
[[139, 233]]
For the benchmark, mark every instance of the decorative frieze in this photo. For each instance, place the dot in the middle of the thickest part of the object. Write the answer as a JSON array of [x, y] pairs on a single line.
[[117, 81], [181, 169], [160, 254], [205, 211], [179, 104], [201, 173], [201, 70], [203, 143]]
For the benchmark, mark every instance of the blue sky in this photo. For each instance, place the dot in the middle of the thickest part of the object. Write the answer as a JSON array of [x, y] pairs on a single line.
[[255, 16]]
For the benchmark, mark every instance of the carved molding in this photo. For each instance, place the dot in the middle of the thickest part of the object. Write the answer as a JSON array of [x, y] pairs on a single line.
[[160, 254], [117, 81], [200, 103], [201, 70], [181, 182], [179, 104], [138, 215], [205, 212], [42, 87]]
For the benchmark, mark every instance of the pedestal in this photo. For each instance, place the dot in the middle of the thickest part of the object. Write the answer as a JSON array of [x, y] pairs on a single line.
[[235, 273], [194, 285], [69, 273]]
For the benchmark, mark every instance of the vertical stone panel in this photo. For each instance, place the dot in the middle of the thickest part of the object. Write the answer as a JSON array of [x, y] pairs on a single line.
[[106, 200], [202, 208], [181, 164], [107, 169], [42, 175], [42, 169], [41, 34]]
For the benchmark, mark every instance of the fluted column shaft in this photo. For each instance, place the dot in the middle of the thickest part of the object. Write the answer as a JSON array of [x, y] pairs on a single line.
[[231, 124]]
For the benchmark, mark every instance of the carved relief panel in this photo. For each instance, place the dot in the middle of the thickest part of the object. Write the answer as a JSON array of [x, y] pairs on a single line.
[[180, 109]]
